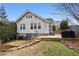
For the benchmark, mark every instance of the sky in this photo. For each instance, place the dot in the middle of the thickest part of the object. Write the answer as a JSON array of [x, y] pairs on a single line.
[[45, 10]]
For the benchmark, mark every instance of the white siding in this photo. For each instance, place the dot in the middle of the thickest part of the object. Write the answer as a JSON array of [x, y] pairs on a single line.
[[28, 21]]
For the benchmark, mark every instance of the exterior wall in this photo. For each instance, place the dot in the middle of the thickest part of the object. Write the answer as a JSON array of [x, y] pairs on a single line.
[[50, 28], [57, 24], [75, 28], [27, 21]]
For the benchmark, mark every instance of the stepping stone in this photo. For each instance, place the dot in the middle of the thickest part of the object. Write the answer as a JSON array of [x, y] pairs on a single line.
[[37, 40], [21, 47], [15, 48], [27, 44], [31, 43]]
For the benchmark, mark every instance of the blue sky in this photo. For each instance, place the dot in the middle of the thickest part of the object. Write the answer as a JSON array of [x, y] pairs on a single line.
[[45, 10]]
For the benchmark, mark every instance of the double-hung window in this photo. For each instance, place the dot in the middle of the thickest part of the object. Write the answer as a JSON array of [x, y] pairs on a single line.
[[39, 26], [34, 26], [31, 26], [22, 26]]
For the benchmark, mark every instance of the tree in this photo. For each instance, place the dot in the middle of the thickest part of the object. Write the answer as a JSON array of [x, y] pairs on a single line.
[[67, 9], [72, 9], [3, 15], [13, 29], [3, 22], [64, 24], [7, 28], [7, 31], [2, 31]]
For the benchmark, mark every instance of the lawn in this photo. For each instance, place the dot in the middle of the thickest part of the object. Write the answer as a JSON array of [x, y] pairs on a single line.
[[46, 48], [53, 48]]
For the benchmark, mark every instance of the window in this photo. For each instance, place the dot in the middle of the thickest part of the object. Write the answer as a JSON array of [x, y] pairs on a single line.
[[29, 16], [31, 26], [35, 26], [39, 26], [23, 26], [26, 16], [20, 26]]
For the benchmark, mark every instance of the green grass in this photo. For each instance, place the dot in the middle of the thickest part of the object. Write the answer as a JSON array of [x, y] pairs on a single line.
[[53, 48]]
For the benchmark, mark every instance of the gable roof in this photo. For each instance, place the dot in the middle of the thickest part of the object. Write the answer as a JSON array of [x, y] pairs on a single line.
[[49, 19], [32, 14]]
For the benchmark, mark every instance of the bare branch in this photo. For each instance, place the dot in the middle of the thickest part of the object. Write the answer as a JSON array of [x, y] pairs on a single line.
[[72, 9]]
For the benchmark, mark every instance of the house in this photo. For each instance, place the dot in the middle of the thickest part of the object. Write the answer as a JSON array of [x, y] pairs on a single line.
[[30, 24], [57, 24], [75, 28], [50, 20], [53, 23]]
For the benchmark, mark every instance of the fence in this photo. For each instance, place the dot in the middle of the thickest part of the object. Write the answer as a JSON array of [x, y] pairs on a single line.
[[75, 28]]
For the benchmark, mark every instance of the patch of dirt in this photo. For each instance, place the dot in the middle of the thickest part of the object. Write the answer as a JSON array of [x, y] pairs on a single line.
[[33, 50], [73, 44], [4, 48]]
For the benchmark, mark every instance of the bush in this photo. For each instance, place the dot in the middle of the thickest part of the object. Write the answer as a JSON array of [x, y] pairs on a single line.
[[64, 25], [68, 34], [7, 31]]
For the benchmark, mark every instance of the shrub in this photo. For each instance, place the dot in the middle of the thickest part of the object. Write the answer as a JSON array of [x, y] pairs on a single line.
[[68, 34]]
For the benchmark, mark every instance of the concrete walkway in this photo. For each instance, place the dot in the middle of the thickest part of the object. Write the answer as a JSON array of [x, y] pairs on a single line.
[[51, 36]]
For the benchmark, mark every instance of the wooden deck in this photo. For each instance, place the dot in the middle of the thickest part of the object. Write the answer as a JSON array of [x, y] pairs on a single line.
[[51, 36]]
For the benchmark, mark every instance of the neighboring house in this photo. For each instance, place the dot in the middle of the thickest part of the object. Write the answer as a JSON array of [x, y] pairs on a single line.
[[50, 25], [32, 24], [75, 28], [55, 23]]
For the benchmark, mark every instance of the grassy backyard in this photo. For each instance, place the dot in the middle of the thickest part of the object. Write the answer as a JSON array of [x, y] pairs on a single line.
[[53, 48], [47, 48]]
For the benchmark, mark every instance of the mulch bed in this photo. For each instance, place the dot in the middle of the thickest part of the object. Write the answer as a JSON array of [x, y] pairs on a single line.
[[5, 48], [72, 44]]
